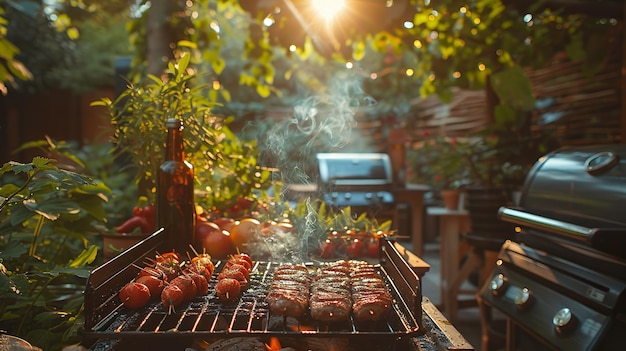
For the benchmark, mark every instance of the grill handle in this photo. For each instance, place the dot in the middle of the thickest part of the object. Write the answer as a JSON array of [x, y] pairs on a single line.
[[530, 220], [610, 240]]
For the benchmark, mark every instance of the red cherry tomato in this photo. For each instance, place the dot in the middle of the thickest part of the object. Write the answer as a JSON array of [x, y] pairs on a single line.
[[327, 249], [134, 295], [355, 249], [154, 284], [228, 289], [202, 265], [202, 285], [187, 285], [237, 274], [172, 297], [240, 262], [244, 256], [373, 248]]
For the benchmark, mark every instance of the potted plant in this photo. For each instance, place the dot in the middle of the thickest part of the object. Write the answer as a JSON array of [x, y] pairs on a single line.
[[440, 163]]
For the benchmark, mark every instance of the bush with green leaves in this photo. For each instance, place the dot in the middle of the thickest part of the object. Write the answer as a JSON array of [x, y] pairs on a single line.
[[48, 219], [225, 167]]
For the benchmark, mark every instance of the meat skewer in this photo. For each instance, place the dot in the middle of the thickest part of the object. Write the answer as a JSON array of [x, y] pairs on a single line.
[[233, 278]]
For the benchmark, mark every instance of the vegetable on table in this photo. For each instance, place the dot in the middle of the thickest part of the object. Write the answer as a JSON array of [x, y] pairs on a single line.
[[143, 218]]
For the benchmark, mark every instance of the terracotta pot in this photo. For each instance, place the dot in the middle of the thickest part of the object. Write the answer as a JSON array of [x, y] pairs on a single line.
[[450, 199], [114, 244]]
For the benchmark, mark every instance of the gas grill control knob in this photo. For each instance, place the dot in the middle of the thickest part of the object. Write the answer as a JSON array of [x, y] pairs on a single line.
[[524, 299], [564, 320], [348, 196], [368, 196], [498, 285]]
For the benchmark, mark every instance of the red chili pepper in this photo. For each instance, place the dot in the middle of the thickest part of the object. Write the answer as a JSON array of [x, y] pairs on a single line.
[[137, 211], [133, 223]]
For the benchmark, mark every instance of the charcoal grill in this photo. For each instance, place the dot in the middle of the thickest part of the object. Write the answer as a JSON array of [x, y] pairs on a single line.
[[207, 319], [361, 181], [561, 284]]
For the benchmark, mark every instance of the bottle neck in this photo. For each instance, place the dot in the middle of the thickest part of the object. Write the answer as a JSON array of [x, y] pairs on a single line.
[[174, 150]]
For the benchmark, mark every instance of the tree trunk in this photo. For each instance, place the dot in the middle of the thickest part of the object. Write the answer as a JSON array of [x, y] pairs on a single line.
[[159, 36]]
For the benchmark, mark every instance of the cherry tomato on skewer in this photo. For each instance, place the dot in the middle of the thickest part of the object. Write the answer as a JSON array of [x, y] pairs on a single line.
[[228, 289], [172, 297], [134, 295], [154, 284]]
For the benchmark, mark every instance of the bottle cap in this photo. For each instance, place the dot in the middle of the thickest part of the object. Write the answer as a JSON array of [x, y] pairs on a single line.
[[174, 123]]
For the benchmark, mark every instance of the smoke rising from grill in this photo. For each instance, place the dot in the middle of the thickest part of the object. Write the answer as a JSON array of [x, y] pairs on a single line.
[[319, 124], [323, 123]]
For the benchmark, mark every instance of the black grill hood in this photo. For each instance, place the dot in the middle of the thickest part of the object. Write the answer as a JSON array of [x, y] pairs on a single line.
[[576, 194]]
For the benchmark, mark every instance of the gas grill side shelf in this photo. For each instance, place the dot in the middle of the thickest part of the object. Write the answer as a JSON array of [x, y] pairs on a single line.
[[439, 332]]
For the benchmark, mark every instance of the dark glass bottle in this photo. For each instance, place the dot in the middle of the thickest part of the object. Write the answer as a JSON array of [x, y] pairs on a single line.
[[176, 210]]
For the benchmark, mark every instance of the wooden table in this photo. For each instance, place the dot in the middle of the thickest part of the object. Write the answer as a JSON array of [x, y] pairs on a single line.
[[413, 194], [451, 224]]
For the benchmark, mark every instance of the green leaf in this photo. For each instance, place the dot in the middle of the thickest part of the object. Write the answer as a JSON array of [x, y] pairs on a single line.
[[513, 88], [8, 189], [20, 214], [86, 257]]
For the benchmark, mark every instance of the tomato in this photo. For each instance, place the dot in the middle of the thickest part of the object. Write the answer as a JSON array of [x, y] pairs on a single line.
[[244, 256], [244, 230], [355, 249], [327, 249], [244, 263], [233, 266], [228, 289], [202, 285], [134, 295], [215, 242], [154, 284], [235, 273], [373, 248], [202, 265], [225, 223], [187, 285], [171, 297], [169, 258]]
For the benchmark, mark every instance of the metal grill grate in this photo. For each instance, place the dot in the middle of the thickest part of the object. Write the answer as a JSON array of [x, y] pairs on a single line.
[[207, 318]]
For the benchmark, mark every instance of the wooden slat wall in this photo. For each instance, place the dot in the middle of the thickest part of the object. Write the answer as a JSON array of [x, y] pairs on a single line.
[[464, 115], [588, 108], [579, 109]]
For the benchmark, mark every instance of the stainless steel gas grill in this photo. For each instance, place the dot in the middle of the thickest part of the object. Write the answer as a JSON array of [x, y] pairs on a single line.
[[361, 181], [562, 284]]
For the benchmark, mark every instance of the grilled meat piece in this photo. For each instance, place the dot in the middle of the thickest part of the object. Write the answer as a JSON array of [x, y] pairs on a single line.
[[371, 299], [288, 294], [330, 293]]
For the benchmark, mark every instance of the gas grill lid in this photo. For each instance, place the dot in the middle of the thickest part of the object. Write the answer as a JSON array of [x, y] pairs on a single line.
[[366, 169], [576, 194]]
